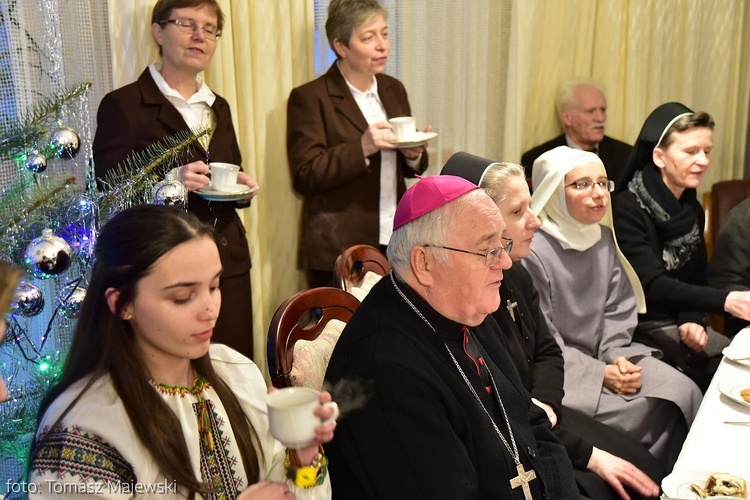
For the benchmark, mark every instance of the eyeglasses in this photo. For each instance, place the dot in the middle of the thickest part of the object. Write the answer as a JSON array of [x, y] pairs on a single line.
[[491, 258], [187, 25], [607, 185]]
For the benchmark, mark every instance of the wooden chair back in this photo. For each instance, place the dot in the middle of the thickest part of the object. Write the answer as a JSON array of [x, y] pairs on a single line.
[[303, 317], [355, 261], [717, 203]]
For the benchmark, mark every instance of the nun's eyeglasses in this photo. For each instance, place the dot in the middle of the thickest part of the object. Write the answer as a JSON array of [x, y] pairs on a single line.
[[588, 185], [491, 258]]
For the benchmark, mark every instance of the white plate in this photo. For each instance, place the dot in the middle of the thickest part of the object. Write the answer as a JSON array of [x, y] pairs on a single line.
[[736, 355], [239, 192], [678, 487], [732, 391], [417, 139]]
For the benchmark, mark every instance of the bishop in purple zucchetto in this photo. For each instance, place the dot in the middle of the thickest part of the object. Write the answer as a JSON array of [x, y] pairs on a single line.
[[428, 194]]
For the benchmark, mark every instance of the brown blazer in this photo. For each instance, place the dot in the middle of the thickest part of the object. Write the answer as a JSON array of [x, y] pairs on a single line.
[[328, 167]]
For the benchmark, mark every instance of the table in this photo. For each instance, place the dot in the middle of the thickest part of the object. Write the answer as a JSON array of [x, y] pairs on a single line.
[[712, 445]]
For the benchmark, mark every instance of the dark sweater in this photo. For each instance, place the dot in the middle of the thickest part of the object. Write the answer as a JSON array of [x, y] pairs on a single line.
[[681, 295], [729, 268]]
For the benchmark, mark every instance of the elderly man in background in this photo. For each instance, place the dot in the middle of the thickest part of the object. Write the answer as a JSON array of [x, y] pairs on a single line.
[[447, 415], [582, 110]]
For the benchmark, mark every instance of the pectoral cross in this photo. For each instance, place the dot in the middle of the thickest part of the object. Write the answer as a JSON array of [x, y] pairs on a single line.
[[522, 479], [511, 305]]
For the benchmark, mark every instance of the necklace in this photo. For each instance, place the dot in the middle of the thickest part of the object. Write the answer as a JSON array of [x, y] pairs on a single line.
[[204, 411], [524, 477]]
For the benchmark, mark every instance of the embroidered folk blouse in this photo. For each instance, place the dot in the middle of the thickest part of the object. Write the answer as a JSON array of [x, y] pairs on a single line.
[[95, 450]]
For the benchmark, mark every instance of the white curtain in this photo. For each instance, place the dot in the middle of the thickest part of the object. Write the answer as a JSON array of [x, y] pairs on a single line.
[[483, 73]]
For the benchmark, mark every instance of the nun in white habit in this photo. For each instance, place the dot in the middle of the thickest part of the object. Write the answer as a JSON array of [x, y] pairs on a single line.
[[591, 297]]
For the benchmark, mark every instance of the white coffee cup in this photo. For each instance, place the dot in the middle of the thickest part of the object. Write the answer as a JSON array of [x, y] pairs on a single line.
[[223, 176], [290, 414], [404, 127]]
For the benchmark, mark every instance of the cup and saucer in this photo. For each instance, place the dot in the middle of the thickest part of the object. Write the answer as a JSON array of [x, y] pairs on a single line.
[[223, 185], [406, 133]]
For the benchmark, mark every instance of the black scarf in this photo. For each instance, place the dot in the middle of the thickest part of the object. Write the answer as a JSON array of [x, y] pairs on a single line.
[[675, 219]]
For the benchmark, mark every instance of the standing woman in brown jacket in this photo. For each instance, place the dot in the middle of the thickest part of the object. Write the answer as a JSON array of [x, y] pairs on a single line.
[[169, 97], [338, 145]]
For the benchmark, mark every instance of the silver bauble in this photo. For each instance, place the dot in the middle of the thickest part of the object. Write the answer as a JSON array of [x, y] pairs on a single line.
[[36, 163], [27, 300], [79, 232], [66, 142], [169, 192], [47, 255], [71, 300]]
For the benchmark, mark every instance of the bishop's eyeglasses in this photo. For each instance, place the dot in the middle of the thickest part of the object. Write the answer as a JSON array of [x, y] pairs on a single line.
[[188, 25], [491, 258]]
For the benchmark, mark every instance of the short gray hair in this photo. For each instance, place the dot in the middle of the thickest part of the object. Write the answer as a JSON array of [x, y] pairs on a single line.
[[564, 97], [684, 123], [496, 176], [345, 15], [430, 229]]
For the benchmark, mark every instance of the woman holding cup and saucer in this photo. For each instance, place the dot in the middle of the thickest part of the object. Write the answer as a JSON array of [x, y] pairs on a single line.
[[170, 97], [146, 405], [339, 142]]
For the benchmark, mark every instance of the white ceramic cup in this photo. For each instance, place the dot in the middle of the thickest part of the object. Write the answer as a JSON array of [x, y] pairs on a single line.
[[404, 127], [290, 414], [223, 176]]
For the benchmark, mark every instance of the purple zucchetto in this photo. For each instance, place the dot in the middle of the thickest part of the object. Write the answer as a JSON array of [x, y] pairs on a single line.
[[428, 194]]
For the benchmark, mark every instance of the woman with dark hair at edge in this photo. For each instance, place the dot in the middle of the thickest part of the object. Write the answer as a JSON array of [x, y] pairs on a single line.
[[9, 277], [145, 400]]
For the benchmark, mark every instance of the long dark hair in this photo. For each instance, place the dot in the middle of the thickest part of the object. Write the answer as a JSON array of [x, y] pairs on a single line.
[[9, 276], [104, 344]]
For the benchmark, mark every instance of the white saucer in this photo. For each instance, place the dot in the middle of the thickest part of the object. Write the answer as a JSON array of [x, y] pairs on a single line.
[[417, 139], [237, 193], [737, 354], [732, 391]]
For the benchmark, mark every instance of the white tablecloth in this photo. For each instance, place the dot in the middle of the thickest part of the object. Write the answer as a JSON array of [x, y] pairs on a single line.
[[712, 445]]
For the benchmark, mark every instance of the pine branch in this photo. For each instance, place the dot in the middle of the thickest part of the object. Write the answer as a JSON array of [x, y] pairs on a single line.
[[133, 175], [42, 201], [27, 206], [29, 130]]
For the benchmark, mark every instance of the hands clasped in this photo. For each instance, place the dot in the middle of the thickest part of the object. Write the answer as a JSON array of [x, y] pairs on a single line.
[[622, 376]]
